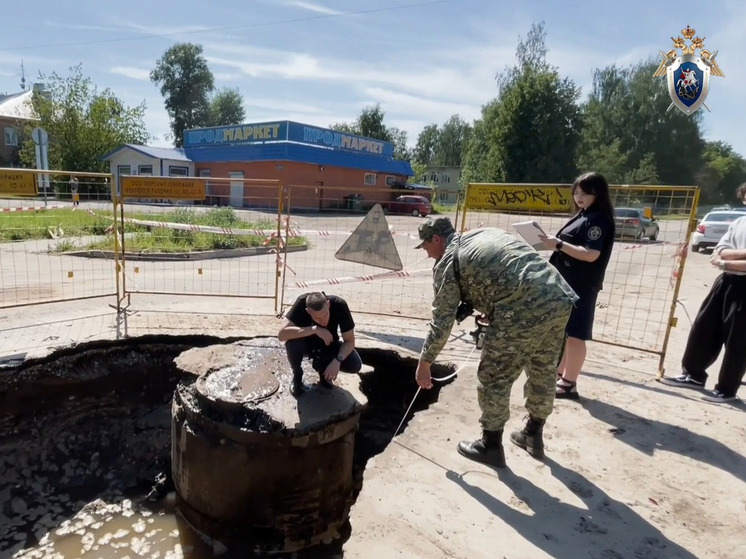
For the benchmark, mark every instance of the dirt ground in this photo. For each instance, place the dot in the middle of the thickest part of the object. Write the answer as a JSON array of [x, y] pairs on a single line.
[[634, 469]]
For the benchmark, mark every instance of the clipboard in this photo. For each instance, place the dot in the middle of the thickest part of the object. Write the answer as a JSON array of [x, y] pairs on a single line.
[[530, 231]]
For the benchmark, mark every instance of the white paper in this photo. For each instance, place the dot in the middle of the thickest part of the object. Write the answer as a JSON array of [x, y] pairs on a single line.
[[530, 231]]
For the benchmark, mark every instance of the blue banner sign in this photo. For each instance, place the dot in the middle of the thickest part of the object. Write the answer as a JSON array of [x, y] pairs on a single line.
[[283, 131], [236, 134], [304, 134]]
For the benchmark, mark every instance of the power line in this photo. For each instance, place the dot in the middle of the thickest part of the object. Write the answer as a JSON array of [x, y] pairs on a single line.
[[228, 28]]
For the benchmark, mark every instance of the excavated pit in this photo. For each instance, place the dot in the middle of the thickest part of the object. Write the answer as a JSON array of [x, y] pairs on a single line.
[[85, 431]]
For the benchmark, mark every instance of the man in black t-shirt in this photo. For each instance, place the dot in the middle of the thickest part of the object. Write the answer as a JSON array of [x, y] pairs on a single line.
[[310, 330]]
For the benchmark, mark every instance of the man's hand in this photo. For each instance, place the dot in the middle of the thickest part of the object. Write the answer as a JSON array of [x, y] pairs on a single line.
[[423, 376], [332, 370], [323, 333], [715, 260]]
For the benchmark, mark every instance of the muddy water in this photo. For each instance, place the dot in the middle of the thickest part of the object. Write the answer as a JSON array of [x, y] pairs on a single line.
[[124, 530]]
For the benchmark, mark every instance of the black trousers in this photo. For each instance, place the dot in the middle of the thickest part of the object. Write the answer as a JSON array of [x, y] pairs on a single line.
[[721, 321], [320, 357]]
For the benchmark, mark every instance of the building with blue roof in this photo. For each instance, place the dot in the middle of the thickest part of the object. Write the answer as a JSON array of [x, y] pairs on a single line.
[[322, 168]]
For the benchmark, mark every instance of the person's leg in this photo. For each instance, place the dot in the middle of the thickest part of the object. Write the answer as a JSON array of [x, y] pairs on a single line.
[[296, 350], [575, 353], [734, 328], [539, 390], [500, 365], [547, 340], [352, 363], [579, 329], [704, 341]]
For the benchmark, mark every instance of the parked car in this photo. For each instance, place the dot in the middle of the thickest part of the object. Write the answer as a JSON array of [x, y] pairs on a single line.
[[410, 204], [712, 227], [631, 223]]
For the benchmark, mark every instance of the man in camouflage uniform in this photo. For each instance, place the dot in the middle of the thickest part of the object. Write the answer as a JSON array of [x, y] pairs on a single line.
[[527, 304]]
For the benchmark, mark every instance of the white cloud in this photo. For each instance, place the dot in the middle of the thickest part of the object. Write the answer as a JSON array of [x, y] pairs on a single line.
[[312, 7], [131, 72]]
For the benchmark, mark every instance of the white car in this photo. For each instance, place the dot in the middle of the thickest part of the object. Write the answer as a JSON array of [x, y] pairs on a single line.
[[712, 228]]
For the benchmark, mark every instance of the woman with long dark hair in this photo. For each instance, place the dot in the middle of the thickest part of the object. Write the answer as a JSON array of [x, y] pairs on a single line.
[[582, 248]]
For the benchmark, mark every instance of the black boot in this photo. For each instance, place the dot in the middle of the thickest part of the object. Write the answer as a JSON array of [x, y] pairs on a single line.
[[488, 449], [297, 388], [530, 437]]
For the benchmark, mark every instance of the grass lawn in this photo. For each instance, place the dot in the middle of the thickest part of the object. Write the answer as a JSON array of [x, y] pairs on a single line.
[[31, 225]]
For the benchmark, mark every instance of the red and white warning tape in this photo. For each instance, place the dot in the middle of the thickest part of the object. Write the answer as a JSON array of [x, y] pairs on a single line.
[[33, 209], [353, 279], [292, 231]]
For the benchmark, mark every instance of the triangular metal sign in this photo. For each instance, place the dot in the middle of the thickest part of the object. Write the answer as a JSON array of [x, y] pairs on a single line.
[[371, 243]]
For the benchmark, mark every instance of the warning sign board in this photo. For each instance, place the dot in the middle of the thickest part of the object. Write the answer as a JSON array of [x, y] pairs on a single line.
[[371, 243], [13, 182], [173, 188]]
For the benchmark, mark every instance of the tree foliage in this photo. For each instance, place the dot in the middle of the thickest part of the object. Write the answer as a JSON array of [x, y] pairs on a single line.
[[186, 82], [444, 145], [83, 123], [530, 131], [630, 136], [226, 107], [723, 171], [370, 123]]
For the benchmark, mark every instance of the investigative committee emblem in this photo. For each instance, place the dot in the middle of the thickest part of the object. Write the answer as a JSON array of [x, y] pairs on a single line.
[[688, 74]]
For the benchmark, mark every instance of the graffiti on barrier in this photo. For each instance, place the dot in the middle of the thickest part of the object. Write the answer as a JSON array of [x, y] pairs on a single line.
[[517, 197]]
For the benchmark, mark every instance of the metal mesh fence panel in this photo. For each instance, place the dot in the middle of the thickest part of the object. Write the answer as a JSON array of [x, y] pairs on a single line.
[[353, 250], [200, 236], [46, 221], [635, 307]]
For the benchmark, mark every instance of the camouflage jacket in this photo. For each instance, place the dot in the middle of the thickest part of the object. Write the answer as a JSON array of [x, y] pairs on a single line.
[[502, 277]]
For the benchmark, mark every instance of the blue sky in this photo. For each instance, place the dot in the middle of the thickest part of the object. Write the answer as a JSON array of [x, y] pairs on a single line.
[[322, 61]]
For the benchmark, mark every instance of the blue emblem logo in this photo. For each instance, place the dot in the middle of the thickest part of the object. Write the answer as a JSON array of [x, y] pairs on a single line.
[[688, 74]]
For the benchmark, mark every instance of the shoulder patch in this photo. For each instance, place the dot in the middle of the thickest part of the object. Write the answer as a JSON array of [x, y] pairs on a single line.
[[594, 233]]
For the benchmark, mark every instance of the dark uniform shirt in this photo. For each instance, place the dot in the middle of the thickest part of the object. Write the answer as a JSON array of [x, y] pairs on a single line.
[[340, 317], [594, 231]]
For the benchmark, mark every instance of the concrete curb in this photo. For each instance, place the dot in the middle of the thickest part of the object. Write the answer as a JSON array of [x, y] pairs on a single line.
[[164, 256]]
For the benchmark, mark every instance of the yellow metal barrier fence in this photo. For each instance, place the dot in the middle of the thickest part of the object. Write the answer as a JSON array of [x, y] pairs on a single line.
[[636, 307]]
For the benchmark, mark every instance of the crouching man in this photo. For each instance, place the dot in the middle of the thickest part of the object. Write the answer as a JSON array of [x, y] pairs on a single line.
[[311, 330], [527, 304]]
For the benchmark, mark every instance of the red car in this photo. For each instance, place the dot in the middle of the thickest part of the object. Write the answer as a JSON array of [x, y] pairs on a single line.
[[409, 204]]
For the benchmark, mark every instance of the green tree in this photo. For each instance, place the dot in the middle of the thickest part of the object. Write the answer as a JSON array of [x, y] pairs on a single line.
[[453, 137], [444, 145], [370, 124], [628, 109], [532, 128], [226, 107], [186, 82], [723, 170], [83, 123], [424, 150]]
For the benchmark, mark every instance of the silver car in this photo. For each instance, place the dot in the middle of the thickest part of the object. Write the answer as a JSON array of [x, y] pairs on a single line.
[[632, 223], [712, 227]]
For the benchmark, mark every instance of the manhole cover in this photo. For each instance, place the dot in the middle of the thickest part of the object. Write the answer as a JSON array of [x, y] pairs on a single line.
[[234, 386]]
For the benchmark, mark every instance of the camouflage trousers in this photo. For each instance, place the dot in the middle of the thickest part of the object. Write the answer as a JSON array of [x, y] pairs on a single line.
[[533, 343]]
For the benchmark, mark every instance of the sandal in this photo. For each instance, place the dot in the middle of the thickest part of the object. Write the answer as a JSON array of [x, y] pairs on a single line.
[[566, 390]]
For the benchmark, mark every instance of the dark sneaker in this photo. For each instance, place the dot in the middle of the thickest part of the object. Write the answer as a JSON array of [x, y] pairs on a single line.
[[297, 388], [684, 381], [717, 397]]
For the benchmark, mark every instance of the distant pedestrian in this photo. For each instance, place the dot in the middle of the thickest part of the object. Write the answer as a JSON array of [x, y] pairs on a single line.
[[74, 191], [721, 321]]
